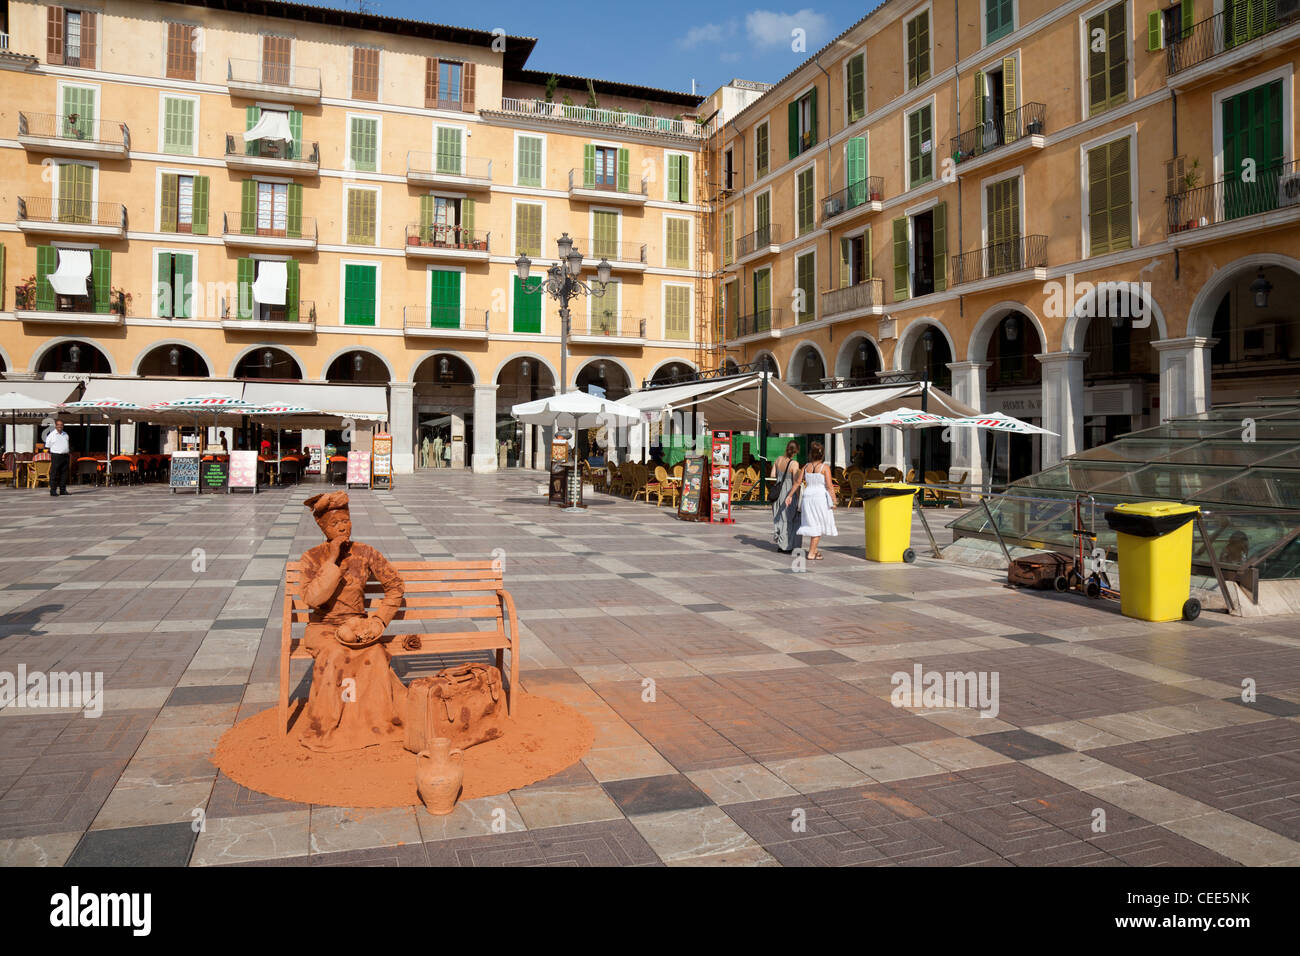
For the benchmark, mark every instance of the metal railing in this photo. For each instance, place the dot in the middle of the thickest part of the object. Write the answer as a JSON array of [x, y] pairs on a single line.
[[238, 224], [25, 301], [1000, 258], [1248, 20], [597, 249], [577, 180], [273, 74], [433, 164], [445, 317], [864, 295], [761, 321], [275, 313], [998, 131], [767, 236], [271, 149], [76, 211], [871, 189], [74, 127], [438, 236], [1276, 187], [604, 117], [4, 41], [612, 324]]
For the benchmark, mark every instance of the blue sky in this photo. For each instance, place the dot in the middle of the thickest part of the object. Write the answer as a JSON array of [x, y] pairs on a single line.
[[660, 43]]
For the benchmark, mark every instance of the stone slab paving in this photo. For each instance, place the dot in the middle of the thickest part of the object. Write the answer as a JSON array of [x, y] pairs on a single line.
[[742, 706]]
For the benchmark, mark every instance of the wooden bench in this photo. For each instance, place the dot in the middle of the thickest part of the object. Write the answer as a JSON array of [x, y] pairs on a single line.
[[435, 590]]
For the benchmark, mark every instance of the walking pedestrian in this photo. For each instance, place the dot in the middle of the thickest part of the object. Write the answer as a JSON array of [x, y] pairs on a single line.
[[785, 513], [59, 446], [818, 508]]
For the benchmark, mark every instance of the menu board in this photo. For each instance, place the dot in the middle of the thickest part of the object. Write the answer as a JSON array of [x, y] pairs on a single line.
[[381, 461], [184, 470], [243, 470], [214, 475], [359, 468], [720, 513], [315, 458], [693, 505]]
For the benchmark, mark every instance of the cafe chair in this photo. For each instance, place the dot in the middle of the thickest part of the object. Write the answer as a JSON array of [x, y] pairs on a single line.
[[38, 474], [87, 471], [119, 472], [291, 470]]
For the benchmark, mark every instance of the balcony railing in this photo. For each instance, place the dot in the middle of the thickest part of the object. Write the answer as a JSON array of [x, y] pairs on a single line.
[[269, 73], [596, 249], [1275, 187], [306, 313], [998, 131], [1000, 258], [71, 126], [4, 42], [762, 321], [437, 236], [433, 164], [272, 149], [767, 236], [610, 324], [1246, 21], [577, 180], [866, 294], [80, 212], [452, 318], [586, 114], [872, 189], [25, 301], [238, 224]]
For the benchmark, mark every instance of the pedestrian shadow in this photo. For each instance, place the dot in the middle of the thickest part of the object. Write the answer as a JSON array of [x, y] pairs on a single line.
[[20, 623]]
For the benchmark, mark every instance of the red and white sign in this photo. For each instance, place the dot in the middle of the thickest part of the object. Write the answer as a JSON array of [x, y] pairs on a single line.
[[720, 461], [243, 469], [359, 468]]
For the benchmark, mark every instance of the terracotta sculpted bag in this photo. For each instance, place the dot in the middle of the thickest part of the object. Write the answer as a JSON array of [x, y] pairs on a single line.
[[464, 704]]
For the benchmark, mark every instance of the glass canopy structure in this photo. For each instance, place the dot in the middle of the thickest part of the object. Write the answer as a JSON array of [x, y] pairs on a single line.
[[1240, 463]]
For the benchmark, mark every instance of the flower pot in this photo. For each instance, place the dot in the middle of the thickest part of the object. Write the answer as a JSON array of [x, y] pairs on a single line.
[[875, 197]]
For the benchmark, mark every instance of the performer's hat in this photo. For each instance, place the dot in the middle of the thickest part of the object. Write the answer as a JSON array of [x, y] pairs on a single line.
[[321, 505]]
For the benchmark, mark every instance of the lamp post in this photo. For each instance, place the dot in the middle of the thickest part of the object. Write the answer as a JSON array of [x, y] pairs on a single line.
[[928, 340]]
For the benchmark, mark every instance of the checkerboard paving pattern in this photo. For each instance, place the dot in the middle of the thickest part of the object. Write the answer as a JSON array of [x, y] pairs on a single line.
[[742, 707]]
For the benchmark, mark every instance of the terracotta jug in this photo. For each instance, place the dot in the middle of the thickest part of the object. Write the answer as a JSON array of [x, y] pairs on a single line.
[[438, 776]]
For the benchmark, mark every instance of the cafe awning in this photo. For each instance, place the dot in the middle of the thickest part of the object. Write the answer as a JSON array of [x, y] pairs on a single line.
[[54, 392], [856, 403], [272, 124], [734, 402], [332, 402]]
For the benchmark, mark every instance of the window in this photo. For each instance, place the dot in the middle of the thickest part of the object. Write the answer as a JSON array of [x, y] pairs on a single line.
[[728, 237], [677, 232], [271, 209], [600, 167], [79, 113], [999, 19], [99, 282], [763, 219], [362, 215], [449, 76], [728, 171], [365, 73], [70, 37], [76, 184], [760, 150], [445, 307], [527, 308], [918, 49], [921, 253], [762, 299], [181, 59], [448, 221], [184, 205], [679, 178], [1107, 45], [268, 290], [920, 146], [73, 43], [448, 85], [855, 86], [996, 102], [270, 146], [803, 123], [528, 229], [363, 148], [175, 285], [1002, 204], [604, 241], [855, 170], [528, 164], [1110, 199], [855, 259], [178, 125], [603, 312], [731, 309], [448, 152], [804, 202], [1253, 129], [277, 54], [1171, 25], [805, 270], [359, 294], [677, 312]]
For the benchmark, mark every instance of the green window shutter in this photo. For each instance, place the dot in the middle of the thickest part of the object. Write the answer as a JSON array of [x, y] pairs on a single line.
[[1098, 204], [794, 129], [760, 150], [245, 270], [677, 312], [295, 128], [857, 90], [76, 186], [365, 143], [940, 220], [467, 220], [855, 169], [101, 272], [589, 166], [805, 281], [202, 190], [248, 207], [183, 289], [728, 238], [605, 241], [426, 218], [444, 299], [1108, 69], [1010, 99], [359, 295], [530, 161], [171, 124], [166, 290], [1120, 197], [47, 260], [674, 178], [527, 308], [998, 19], [528, 229], [361, 217], [914, 165], [804, 201], [981, 96], [763, 291], [1189, 17], [1154, 40], [844, 263], [251, 115], [812, 112], [866, 252], [923, 48], [622, 184], [762, 218], [293, 211], [901, 251], [167, 221], [448, 156], [291, 287], [78, 101], [684, 179], [679, 256]]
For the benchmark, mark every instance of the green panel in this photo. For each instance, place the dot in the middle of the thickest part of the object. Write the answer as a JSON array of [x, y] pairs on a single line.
[[605, 238], [679, 242], [763, 291], [940, 220], [251, 115], [674, 178], [981, 96], [527, 308], [762, 215], [293, 211], [467, 210], [364, 143], [857, 90], [248, 207], [530, 161], [812, 112], [622, 183], [166, 289], [794, 128], [426, 218], [78, 101], [295, 129], [76, 186], [291, 287], [677, 312], [178, 125], [1153, 31], [1188, 10], [806, 280], [245, 273], [444, 299], [101, 278], [999, 19], [901, 271], [761, 150], [1252, 129], [47, 260], [684, 179], [844, 263], [855, 165], [589, 166], [167, 221], [183, 289], [202, 191], [448, 152], [804, 202], [358, 295]]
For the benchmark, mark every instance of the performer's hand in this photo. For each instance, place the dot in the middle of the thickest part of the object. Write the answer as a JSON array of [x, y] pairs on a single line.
[[371, 627], [347, 632], [334, 550]]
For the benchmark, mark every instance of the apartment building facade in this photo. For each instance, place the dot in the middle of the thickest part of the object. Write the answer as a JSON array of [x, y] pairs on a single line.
[[282, 192], [1083, 214]]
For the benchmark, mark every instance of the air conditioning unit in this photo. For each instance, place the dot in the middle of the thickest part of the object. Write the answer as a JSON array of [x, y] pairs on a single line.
[[1287, 10], [1259, 342], [832, 207], [1288, 187]]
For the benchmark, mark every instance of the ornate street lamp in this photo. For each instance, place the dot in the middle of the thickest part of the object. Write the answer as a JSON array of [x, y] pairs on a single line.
[[356, 361], [174, 356], [563, 284], [267, 359], [1260, 289]]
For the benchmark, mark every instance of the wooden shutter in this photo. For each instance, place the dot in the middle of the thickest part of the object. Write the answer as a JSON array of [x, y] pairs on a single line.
[[178, 125], [89, 40], [101, 278], [248, 207], [866, 253], [901, 252], [448, 155], [467, 209], [940, 220], [78, 101], [47, 260], [762, 217], [812, 117], [527, 308], [467, 88], [728, 237], [293, 211], [855, 169], [679, 256], [1187, 9], [295, 130], [1155, 33], [761, 150], [805, 281], [621, 184], [914, 164], [1010, 99], [430, 82], [918, 50], [845, 246], [763, 291], [245, 272], [444, 299], [54, 36], [168, 206], [530, 161], [292, 286], [181, 56], [361, 216], [1109, 199], [857, 88], [359, 295], [589, 167], [251, 115], [199, 223], [166, 290], [605, 241], [685, 178], [426, 218], [677, 312], [794, 128], [1121, 199], [804, 201], [365, 136], [365, 73], [183, 287], [528, 229]]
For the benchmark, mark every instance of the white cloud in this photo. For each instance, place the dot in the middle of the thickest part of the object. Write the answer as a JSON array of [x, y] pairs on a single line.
[[769, 29], [707, 33]]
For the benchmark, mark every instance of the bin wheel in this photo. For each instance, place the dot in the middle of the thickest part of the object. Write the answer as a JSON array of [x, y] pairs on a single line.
[[909, 556], [1092, 589], [1191, 609], [1062, 583]]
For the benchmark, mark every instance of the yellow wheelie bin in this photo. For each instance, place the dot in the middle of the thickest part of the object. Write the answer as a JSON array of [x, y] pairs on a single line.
[[887, 513], [1155, 559]]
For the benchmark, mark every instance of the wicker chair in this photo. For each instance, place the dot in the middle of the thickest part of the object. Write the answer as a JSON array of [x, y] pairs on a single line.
[[38, 474], [667, 486], [647, 485], [875, 474]]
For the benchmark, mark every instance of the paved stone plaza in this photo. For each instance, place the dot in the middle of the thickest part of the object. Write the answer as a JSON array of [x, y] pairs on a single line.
[[771, 738]]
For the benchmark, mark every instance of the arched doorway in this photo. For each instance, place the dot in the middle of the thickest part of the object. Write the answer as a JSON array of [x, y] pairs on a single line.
[[928, 355], [610, 376], [75, 356], [807, 370], [269, 362], [1257, 325], [1013, 386], [444, 408], [174, 361], [359, 366], [673, 371], [525, 378], [1121, 374], [858, 364]]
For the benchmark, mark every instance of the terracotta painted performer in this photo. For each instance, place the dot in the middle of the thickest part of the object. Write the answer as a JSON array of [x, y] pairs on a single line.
[[356, 699]]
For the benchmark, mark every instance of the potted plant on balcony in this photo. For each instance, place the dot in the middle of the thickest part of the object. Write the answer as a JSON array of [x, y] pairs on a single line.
[[875, 194], [1191, 179], [121, 301], [25, 294]]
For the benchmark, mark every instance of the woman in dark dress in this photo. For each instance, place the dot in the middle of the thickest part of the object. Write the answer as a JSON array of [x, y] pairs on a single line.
[[785, 517]]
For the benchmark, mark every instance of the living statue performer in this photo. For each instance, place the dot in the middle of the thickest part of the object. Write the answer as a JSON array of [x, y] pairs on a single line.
[[356, 699]]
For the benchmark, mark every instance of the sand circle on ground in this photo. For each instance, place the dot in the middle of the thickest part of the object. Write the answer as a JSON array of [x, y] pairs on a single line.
[[542, 738]]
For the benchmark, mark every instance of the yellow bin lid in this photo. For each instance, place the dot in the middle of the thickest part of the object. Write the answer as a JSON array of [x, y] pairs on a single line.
[[1157, 509], [886, 489]]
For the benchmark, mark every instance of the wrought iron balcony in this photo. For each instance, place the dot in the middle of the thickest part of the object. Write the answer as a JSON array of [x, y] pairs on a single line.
[[73, 135], [79, 217], [999, 131], [870, 190], [1247, 20], [607, 324], [1274, 188], [435, 240], [758, 240], [273, 149], [467, 172], [867, 294], [298, 84], [275, 317], [1000, 258], [445, 321], [763, 320], [599, 189], [603, 117], [254, 231], [621, 255]]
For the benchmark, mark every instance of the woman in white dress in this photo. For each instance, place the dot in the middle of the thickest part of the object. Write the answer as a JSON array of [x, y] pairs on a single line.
[[818, 508]]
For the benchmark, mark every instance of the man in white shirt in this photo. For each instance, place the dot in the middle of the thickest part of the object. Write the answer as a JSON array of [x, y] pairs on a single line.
[[57, 443]]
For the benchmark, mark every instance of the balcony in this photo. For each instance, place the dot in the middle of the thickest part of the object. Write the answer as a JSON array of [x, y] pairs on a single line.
[[602, 192], [864, 298], [1222, 41], [1231, 207], [56, 134], [762, 323], [757, 244], [1005, 263], [256, 79], [423, 321], [1006, 135], [267, 318], [246, 232], [470, 173], [856, 199], [610, 329], [78, 218], [622, 256], [446, 242], [272, 156], [70, 310], [619, 119]]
